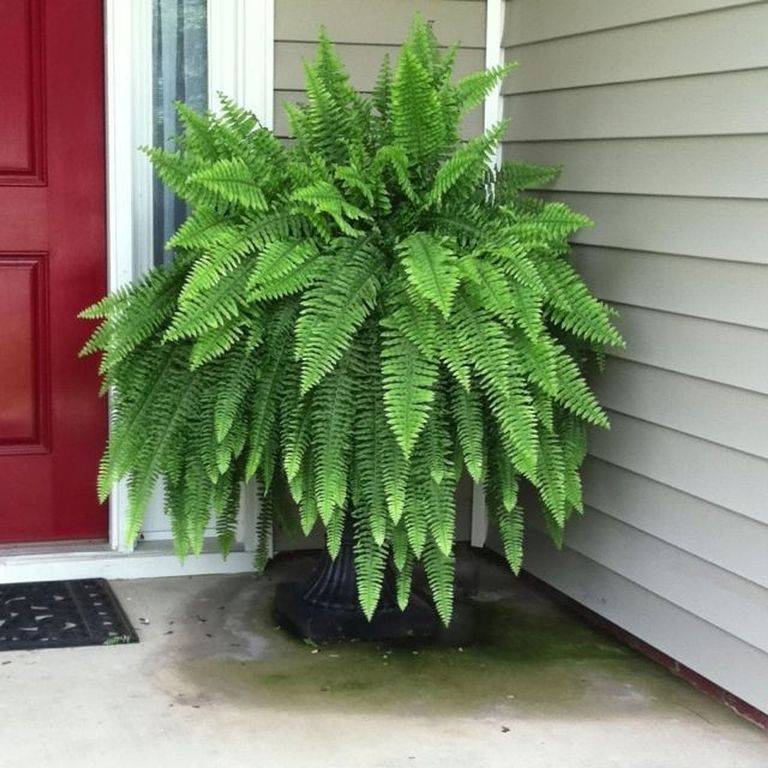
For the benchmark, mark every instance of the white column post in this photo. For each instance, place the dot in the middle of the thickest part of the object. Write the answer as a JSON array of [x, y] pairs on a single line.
[[493, 112]]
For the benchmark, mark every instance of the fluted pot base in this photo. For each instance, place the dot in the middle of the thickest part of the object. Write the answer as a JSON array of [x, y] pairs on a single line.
[[419, 622], [325, 608]]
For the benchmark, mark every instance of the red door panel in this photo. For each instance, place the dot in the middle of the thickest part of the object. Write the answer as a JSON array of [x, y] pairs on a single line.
[[52, 264], [21, 91], [24, 405]]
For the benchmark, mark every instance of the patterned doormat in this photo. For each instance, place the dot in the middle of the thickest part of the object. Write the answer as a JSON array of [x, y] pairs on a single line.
[[59, 614]]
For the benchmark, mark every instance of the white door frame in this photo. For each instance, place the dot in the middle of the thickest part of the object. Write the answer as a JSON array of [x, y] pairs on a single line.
[[240, 41], [240, 64]]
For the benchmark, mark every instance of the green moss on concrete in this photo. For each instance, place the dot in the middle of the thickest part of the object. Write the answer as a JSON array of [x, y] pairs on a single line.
[[529, 659]]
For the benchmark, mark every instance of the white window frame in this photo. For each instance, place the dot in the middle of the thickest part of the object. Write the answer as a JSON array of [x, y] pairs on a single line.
[[240, 64]]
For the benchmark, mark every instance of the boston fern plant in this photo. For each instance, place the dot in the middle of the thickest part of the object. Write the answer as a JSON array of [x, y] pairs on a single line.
[[360, 315]]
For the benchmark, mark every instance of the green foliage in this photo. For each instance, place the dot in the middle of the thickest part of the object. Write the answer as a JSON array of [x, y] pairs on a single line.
[[358, 317]]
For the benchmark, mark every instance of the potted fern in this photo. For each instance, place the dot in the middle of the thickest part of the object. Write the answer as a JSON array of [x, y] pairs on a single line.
[[359, 316]]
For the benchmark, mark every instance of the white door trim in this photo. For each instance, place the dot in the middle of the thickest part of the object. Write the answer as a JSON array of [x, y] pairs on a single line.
[[147, 561], [241, 42], [127, 75]]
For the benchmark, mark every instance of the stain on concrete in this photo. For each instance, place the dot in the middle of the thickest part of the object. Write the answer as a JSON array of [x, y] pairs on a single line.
[[531, 659]]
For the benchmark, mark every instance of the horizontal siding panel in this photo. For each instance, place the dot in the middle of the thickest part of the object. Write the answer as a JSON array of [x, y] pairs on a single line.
[[713, 533], [385, 21], [735, 418], [732, 230], [362, 62], [722, 476], [681, 284], [729, 354], [694, 642], [472, 125], [729, 602], [687, 106], [733, 166], [712, 42], [524, 21]]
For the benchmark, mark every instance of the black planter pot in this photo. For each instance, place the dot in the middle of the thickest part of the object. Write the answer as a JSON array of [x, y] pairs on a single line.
[[326, 608]]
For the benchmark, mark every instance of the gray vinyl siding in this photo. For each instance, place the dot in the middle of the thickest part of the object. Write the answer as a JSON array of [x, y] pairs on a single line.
[[363, 33], [658, 112]]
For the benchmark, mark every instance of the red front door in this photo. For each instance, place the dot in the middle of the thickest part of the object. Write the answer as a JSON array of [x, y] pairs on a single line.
[[52, 264]]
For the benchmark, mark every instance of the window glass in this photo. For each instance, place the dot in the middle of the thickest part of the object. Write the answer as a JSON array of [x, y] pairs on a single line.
[[180, 73]]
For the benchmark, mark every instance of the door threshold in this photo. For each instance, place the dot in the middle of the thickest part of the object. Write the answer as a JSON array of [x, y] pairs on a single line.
[[48, 547], [149, 560]]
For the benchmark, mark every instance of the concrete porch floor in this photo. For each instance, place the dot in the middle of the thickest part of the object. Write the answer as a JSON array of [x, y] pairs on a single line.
[[214, 683]]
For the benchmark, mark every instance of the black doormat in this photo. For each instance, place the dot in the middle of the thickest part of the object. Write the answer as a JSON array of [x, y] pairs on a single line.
[[60, 614]]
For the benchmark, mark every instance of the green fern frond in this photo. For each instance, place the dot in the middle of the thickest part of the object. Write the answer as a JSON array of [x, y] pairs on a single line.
[[174, 169], [550, 478], [514, 177], [230, 253], [431, 268], [203, 228], [502, 484], [395, 157], [404, 581], [468, 416], [173, 506], [441, 515], [334, 531], [370, 564], [409, 379], [213, 309], [573, 437], [322, 197], [395, 472], [574, 393], [333, 310], [382, 91], [226, 502], [332, 436], [198, 499], [134, 316], [472, 89], [278, 259], [218, 341], [169, 414], [267, 388], [496, 363], [573, 308], [468, 164], [371, 441], [417, 119], [231, 181], [511, 530], [440, 575]]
